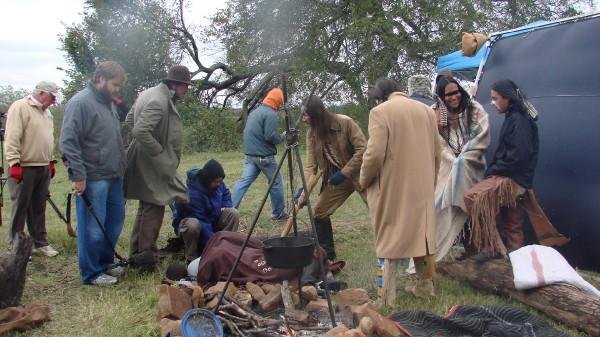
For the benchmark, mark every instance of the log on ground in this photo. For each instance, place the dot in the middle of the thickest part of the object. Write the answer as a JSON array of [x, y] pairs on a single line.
[[564, 303]]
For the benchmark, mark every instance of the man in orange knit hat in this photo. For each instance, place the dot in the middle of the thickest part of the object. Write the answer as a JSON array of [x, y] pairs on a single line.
[[261, 136]]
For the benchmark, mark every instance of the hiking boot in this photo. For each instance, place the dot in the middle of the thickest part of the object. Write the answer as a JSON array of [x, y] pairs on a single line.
[[116, 271], [174, 245], [104, 280], [46, 251], [423, 288]]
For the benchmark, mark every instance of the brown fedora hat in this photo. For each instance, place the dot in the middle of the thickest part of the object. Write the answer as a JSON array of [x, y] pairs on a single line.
[[179, 74]]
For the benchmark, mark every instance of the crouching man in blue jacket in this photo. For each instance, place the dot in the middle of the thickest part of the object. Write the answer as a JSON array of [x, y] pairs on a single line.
[[209, 209]]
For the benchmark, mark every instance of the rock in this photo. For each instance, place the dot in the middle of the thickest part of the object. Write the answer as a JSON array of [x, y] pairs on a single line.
[[212, 304], [299, 316], [255, 291], [384, 327], [272, 300], [310, 293], [354, 333], [197, 296], [295, 298], [243, 297], [317, 305], [338, 331], [169, 327], [218, 288], [345, 316], [354, 296], [267, 287], [172, 302], [366, 326]]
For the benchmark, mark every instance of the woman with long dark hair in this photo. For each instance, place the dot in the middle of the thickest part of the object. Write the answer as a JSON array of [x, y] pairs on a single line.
[[335, 145], [509, 180], [464, 138]]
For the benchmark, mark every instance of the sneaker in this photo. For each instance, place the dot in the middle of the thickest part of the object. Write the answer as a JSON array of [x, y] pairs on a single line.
[[104, 280], [281, 217], [116, 271], [46, 250]]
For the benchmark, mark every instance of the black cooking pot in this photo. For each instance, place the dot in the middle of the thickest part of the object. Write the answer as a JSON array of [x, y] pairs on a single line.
[[289, 252]]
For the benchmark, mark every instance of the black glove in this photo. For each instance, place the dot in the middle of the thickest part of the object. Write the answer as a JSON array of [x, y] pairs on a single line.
[[337, 178]]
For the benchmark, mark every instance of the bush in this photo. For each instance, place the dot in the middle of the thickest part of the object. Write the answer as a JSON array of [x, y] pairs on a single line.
[[207, 129]]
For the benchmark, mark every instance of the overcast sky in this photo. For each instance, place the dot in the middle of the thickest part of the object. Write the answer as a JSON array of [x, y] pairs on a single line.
[[29, 29]]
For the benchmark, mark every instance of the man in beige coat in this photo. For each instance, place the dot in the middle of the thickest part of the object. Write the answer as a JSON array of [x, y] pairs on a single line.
[[29, 149], [399, 172]]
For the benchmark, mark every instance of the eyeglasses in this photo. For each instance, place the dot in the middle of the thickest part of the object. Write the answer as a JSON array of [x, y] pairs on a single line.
[[453, 93]]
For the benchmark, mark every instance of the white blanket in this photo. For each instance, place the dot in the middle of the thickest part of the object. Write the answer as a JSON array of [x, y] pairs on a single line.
[[535, 266]]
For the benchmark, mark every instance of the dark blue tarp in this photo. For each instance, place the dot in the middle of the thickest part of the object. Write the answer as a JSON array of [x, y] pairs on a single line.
[[557, 68]]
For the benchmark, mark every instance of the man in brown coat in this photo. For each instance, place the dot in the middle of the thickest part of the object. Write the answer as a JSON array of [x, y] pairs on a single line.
[[335, 146], [399, 170]]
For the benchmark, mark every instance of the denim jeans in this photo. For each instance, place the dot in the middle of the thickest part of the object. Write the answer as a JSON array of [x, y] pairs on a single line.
[[94, 248], [253, 166]]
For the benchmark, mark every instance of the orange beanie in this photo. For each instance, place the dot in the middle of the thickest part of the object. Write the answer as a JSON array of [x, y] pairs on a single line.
[[274, 99]]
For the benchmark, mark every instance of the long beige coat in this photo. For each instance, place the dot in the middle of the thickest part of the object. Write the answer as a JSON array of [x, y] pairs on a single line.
[[399, 171]]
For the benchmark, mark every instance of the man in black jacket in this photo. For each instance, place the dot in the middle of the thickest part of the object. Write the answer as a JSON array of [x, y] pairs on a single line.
[[508, 176]]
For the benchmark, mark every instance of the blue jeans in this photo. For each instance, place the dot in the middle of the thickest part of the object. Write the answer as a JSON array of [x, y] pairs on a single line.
[[94, 250], [252, 168]]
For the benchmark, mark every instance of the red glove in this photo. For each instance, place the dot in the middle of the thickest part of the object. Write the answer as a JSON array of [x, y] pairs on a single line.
[[52, 169], [16, 172]]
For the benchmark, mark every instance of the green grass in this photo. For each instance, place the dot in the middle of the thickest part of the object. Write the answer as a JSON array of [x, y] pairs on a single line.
[[129, 308]]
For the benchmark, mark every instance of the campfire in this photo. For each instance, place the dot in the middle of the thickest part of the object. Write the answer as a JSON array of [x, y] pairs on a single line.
[[272, 310]]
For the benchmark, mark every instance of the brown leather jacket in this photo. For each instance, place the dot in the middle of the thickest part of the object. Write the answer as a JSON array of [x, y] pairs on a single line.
[[348, 148]]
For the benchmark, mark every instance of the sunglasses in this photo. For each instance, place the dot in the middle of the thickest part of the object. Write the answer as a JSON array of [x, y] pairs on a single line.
[[450, 94]]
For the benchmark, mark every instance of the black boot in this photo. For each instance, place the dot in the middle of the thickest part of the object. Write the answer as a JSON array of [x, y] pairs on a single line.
[[325, 236]]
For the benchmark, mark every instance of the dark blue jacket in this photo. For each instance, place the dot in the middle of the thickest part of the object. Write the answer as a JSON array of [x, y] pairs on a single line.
[[203, 205], [517, 153]]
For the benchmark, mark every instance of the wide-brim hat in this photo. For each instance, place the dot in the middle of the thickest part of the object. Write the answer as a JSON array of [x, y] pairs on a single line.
[[180, 74]]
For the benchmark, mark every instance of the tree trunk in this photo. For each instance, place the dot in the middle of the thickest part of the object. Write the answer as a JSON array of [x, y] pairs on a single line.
[[561, 302], [13, 269]]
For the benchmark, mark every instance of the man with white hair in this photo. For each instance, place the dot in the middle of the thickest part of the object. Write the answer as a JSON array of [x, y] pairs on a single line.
[[29, 145]]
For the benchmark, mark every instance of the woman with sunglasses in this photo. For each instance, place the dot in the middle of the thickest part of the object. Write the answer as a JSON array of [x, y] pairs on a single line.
[[464, 137]]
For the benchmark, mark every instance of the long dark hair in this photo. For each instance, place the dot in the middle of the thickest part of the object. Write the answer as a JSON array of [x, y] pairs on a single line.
[[508, 89], [465, 98], [320, 119], [466, 105]]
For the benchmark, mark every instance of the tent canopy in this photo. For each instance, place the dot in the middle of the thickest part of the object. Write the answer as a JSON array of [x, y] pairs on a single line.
[[456, 61], [556, 67]]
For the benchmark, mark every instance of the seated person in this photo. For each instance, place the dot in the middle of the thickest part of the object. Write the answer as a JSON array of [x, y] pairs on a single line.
[[209, 209]]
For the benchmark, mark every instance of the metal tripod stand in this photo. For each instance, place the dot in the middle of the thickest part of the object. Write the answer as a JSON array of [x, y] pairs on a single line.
[[292, 151]]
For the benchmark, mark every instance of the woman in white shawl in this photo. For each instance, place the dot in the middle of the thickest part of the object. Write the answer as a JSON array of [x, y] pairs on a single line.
[[464, 136]]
